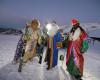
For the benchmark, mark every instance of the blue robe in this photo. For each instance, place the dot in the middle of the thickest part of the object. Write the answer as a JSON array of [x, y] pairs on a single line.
[[56, 38]]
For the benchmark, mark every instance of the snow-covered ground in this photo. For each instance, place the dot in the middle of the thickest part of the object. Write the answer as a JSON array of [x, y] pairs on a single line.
[[92, 62], [34, 71], [31, 71]]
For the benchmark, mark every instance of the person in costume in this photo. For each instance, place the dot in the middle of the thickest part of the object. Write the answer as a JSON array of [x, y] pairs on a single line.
[[77, 44], [52, 39], [34, 39], [30, 46]]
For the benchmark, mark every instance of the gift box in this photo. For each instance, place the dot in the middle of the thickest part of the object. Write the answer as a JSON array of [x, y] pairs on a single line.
[[59, 45]]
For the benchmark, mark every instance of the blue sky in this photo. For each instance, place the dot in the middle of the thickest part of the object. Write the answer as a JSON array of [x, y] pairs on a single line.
[[15, 13]]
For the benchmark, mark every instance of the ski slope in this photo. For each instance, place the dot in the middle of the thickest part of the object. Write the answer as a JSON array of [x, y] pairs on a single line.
[[34, 71], [31, 71]]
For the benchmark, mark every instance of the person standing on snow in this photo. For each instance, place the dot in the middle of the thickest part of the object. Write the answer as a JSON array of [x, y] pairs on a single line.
[[35, 38], [52, 39], [32, 40], [77, 45]]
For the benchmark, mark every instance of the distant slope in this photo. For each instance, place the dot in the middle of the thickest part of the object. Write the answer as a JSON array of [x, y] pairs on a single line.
[[10, 31]]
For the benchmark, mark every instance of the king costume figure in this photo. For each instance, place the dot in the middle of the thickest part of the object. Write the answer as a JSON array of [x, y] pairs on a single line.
[[77, 45], [52, 51]]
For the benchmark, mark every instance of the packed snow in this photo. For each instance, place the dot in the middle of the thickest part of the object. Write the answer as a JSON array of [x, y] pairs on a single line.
[[35, 71], [31, 71]]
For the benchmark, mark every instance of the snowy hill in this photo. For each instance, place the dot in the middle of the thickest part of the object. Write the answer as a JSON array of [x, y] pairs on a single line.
[[31, 71], [10, 31], [34, 71]]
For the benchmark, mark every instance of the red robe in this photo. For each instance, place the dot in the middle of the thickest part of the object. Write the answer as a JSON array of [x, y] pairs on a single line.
[[74, 57]]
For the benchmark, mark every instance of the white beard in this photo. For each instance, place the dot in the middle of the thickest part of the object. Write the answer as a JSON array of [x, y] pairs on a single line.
[[53, 29]]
